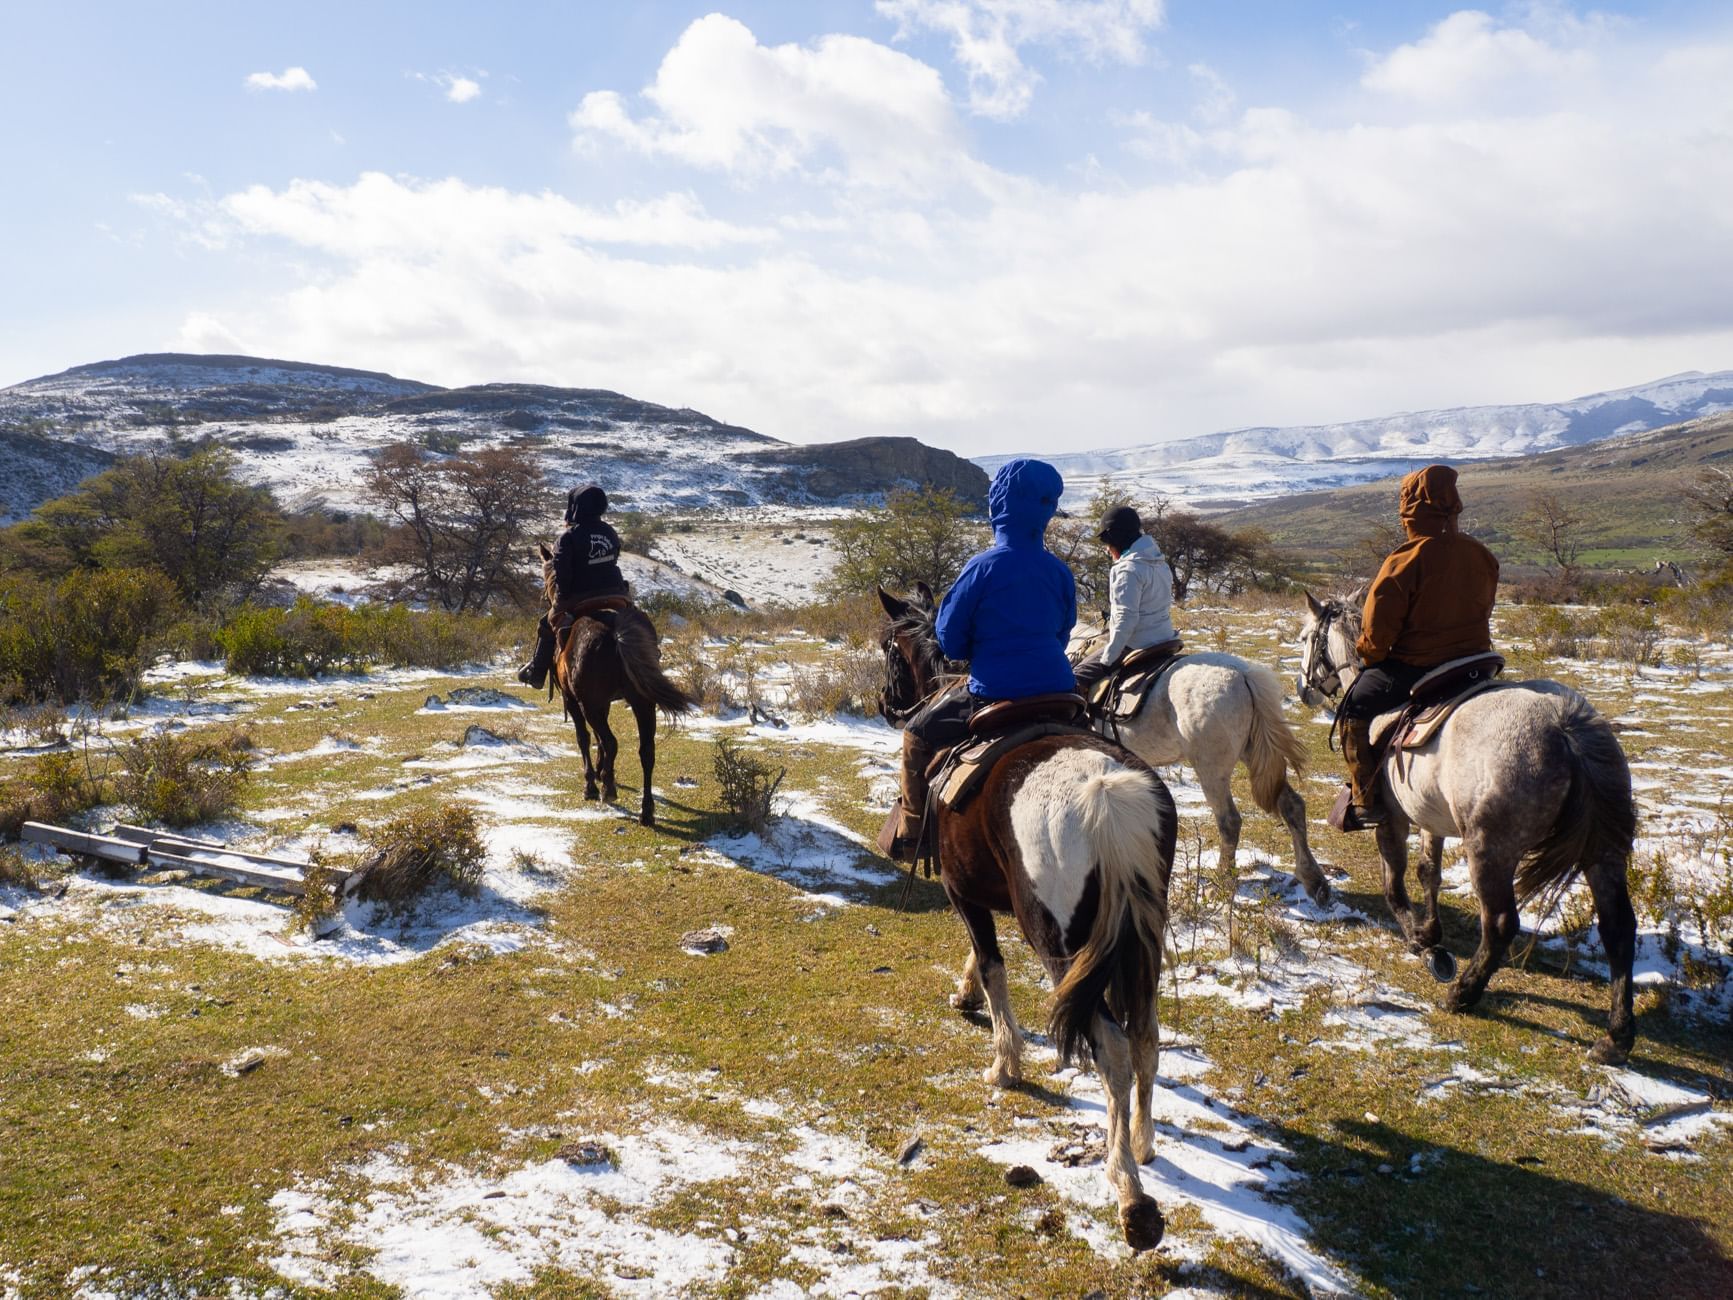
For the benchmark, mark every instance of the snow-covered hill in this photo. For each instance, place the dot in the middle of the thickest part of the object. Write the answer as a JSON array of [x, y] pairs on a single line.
[[308, 432], [1248, 464]]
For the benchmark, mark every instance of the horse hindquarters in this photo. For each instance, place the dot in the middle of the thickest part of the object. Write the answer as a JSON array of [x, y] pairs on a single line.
[[1094, 837]]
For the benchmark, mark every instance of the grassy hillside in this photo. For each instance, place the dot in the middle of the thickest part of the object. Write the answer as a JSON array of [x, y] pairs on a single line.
[[1628, 489]]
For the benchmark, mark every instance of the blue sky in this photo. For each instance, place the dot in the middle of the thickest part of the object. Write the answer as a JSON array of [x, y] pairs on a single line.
[[993, 224]]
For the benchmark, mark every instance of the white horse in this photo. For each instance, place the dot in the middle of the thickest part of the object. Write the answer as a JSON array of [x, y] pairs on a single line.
[[1213, 711], [1532, 781]]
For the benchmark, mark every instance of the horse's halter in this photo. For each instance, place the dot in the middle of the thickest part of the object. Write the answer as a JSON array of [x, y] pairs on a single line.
[[909, 658], [1318, 673]]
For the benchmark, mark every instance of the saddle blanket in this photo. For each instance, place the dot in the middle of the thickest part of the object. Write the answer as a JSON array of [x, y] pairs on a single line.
[[1398, 729], [961, 771]]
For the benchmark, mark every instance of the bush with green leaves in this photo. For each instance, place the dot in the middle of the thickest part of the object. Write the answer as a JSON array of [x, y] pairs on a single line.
[[88, 636], [184, 779], [52, 788], [309, 638], [919, 536], [187, 516]]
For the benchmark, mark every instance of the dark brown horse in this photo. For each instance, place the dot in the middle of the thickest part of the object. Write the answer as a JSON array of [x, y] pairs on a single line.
[[608, 655], [1073, 836]]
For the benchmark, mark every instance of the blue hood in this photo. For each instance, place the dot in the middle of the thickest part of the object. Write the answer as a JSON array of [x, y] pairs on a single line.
[[1024, 496]]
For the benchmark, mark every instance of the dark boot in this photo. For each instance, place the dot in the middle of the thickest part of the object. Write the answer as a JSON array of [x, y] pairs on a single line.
[[534, 674], [900, 838], [1364, 809]]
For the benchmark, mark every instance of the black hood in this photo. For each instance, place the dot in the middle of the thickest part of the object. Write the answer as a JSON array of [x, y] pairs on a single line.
[[586, 504]]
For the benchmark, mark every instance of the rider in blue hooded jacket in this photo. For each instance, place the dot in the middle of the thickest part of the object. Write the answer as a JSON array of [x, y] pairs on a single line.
[[1009, 614]]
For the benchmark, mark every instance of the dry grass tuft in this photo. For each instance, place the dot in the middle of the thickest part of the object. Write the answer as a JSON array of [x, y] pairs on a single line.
[[421, 850], [745, 785]]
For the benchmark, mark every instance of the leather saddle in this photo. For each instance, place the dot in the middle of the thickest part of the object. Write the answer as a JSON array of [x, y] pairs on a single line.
[[563, 615], [994, 731], [1122, 693], [1434, 698]]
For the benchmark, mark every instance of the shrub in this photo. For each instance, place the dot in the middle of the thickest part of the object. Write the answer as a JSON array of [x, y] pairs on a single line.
[[17, 870], [182, 780], [744, 785], [848, 683], [87, 636], [321, 898], [309, 638], [53, 788], [419, 850]]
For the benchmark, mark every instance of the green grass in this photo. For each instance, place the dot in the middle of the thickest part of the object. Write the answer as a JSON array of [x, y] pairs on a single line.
[[154, 1167]]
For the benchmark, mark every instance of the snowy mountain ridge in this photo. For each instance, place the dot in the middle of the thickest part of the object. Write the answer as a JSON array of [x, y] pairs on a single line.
[[1261, 462], [309, 432]]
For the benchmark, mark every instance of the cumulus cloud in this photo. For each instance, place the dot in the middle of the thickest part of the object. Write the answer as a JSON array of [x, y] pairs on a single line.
[[1300, 266], [1470, 55], [296, 78], [988, 35], [460, 90], [844, 107]]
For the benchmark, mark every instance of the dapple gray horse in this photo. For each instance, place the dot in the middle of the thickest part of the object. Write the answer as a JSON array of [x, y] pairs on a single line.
[[1533, 782], [1213, 711]]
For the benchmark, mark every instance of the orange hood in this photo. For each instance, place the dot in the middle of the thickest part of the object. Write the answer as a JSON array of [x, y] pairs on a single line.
[[1430, 502]]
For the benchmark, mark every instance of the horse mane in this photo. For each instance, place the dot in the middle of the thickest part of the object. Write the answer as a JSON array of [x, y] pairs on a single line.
[[920, 626]]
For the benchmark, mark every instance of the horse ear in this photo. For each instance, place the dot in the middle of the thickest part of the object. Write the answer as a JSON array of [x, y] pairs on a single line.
[[894, 607], [926, 594], [1313, 605]]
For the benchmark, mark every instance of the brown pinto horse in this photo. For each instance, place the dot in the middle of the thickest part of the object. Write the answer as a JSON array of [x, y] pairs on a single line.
[[1073, 836], [607, 655]]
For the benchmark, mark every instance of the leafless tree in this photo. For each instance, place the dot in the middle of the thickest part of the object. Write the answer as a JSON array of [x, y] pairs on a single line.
[[463, 521]]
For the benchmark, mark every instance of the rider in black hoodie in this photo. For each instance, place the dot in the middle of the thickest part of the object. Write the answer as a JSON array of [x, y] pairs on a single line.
[[586, 565]]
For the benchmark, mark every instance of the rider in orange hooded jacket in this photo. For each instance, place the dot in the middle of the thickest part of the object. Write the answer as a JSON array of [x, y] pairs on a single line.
[[1430, 603]]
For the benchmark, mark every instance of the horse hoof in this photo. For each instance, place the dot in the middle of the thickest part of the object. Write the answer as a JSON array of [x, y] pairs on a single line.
[[646, 819], [1320, 893], [1000, 1076], [1607, 1052], [971, 1003], [1458, 999], [1143, 1225], [1440, 963]]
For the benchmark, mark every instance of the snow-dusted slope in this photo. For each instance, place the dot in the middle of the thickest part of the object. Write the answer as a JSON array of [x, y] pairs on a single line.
[[1267, 462], [309, 431]]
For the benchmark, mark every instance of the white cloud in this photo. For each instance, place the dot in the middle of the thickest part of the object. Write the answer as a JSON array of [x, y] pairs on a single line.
[[460, 90], [1300, 266], [296, 78], [844, 107], [1470, 55], [987, 36]]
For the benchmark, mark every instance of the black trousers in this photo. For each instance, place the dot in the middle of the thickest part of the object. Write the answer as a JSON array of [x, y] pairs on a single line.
[[1091, 670], [1380, 688], [944, 720]]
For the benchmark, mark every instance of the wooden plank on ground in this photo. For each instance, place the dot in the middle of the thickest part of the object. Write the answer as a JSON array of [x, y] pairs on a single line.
[[231, 868], [95, 846], [169, 842]]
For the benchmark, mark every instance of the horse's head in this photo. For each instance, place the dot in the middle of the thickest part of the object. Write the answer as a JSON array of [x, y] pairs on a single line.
[[914, 665], [1328, 661]]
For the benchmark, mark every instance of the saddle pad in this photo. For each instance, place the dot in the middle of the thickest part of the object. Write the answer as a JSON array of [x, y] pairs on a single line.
[[1424, 725], [963, 770]]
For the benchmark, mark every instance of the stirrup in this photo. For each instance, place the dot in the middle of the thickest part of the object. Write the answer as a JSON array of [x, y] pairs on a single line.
[[1346, 815]]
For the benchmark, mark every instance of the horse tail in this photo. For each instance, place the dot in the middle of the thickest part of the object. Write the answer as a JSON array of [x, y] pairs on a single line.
[[1271, 745], [1129, 822], [1599, 816], [642, 659]]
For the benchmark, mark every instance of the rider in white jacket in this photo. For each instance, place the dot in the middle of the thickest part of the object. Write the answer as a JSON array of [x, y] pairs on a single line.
[[1140, 595]]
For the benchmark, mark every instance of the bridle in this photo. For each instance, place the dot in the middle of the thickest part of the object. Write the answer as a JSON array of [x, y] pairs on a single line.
[[911, 654], [1318, 673]]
